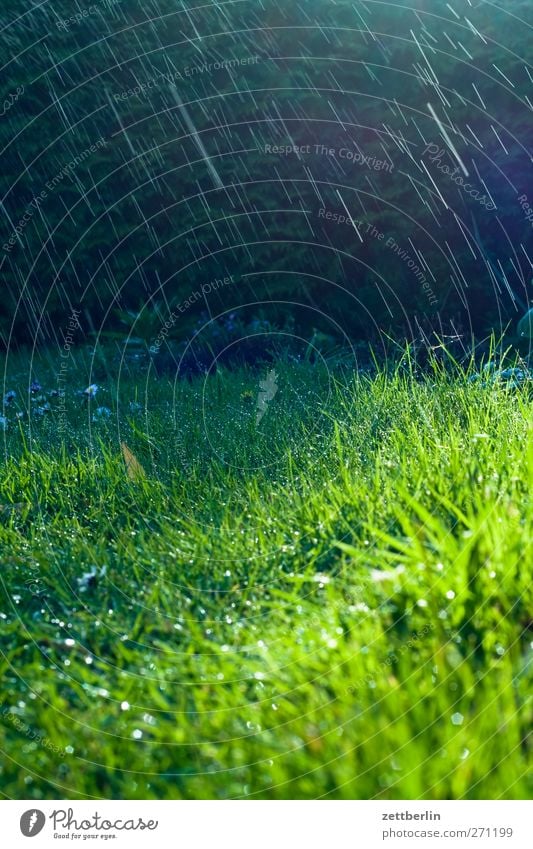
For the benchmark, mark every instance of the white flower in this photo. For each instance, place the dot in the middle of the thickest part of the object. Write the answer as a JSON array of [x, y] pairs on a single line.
[[380, 575], [101, 413], [89, 580]]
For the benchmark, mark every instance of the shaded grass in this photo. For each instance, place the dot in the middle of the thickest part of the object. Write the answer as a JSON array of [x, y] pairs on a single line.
[[333, 603]]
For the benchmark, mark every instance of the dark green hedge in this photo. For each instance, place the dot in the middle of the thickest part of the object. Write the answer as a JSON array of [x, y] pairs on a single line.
[[124, 209]]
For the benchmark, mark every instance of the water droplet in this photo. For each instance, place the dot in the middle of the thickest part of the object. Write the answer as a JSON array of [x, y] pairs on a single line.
[[457, 719]]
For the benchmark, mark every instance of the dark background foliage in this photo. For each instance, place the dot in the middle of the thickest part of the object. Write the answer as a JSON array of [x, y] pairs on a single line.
[[159, 210]]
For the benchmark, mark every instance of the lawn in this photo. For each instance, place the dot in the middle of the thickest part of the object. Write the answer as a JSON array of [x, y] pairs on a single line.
[[332, 601]]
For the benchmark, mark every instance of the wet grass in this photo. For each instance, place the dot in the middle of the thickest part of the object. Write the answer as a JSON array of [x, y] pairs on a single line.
[[333, 602]]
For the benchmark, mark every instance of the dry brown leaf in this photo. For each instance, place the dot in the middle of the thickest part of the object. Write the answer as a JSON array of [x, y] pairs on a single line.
[[134, 470]]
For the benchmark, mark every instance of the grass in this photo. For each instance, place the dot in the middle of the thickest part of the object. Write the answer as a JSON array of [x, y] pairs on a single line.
[[332, 603]]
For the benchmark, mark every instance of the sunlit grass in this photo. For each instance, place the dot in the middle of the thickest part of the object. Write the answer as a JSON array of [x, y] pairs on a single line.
[[332, 603]]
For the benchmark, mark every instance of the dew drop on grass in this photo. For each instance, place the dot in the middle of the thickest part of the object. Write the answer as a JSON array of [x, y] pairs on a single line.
[[124, 706], [319, 578], [457, 719]]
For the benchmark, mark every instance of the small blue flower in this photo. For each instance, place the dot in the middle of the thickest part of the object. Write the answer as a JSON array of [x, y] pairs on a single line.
[[3, 423], [44, 408], [101, 413], [517, 374], [35, 387], [91, 391], [10, 396]]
